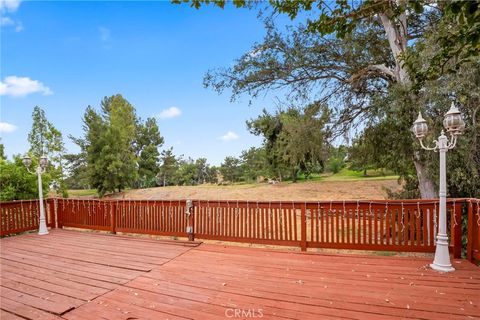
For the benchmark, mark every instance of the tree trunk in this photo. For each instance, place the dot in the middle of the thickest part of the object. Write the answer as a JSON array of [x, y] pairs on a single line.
[[425, 184], [396, 31]]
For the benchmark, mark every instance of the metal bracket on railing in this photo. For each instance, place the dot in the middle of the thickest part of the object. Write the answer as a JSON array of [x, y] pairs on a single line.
[[188, 206]]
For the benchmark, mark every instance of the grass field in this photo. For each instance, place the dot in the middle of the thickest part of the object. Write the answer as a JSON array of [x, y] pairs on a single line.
[[345, 185]]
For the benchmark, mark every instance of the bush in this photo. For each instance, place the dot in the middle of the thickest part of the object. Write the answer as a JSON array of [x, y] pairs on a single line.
[[16, 183]]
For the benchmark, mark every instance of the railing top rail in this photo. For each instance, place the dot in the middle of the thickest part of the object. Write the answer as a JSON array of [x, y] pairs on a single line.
[[273, 202], [18, 201]]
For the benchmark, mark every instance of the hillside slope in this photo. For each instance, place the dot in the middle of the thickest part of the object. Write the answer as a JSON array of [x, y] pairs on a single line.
[[305, 191]]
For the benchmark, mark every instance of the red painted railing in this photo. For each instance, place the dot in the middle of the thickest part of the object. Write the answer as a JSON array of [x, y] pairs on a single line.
[[384, 225], [363, 225], [130, 216], [23, 215], [473, 230]]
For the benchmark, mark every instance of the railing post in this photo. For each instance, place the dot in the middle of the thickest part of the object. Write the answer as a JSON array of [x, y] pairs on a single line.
[[60, 213], [55, 211], [303, 226], [113, 217], [457, 230], [190, 212], [470, 232]]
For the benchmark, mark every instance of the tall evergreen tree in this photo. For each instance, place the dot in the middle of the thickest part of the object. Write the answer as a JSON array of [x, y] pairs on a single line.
[[231, 169], [168, 168], [147, 143], [108, 145]]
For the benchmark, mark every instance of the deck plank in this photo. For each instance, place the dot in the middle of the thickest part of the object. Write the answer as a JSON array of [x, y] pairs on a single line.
[[44, 276], [77, 276], [25, 311]]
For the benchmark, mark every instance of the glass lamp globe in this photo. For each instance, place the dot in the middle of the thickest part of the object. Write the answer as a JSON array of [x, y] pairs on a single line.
[[27, 161], [453, 121], [43, 162], [420, 127]]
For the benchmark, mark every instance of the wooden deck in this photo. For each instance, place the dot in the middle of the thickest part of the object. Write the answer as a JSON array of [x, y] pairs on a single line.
[[75, 275]]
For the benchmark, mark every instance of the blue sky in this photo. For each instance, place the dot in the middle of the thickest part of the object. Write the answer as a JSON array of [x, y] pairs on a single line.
[[64, 56]]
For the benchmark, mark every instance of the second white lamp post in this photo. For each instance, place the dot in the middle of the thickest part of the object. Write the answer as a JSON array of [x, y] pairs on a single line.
[[42, 166], [454, 125]]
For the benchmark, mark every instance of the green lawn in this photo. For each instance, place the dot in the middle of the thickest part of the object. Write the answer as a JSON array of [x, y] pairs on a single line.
[[82, 193], [350, 175]]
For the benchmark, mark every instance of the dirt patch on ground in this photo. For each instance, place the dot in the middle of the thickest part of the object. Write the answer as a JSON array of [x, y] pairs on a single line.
[[305, 191]]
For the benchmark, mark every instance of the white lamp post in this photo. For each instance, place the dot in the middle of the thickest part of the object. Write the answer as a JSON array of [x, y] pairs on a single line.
[[42, 165], [454, 125]]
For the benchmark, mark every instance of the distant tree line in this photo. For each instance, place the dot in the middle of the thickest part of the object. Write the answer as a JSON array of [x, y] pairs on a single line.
[[119, 150]]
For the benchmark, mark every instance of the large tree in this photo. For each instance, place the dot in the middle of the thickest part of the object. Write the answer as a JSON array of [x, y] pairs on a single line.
[[108, 145], [147, 143], [46, 140], [294, 140], [347, 54], [168, 168]]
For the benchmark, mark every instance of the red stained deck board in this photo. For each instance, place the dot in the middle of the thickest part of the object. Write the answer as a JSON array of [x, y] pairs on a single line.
[[77, 276], [25, 311]]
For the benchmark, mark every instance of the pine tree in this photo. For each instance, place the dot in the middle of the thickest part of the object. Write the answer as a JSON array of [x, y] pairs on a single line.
[[168, 168], [108, 145], [147, 144]]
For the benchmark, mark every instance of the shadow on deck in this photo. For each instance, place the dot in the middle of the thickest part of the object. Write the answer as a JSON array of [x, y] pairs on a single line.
[[76, 275]]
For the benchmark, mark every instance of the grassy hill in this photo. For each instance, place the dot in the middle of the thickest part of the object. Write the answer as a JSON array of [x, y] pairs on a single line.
[[345, 185]]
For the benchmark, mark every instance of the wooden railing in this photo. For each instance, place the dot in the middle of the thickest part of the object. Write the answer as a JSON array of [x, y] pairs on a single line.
[[473, 230], [130, 216], [384, 225], [23, 215]]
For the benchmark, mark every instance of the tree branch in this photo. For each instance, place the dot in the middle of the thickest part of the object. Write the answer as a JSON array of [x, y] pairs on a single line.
[[380, 70]]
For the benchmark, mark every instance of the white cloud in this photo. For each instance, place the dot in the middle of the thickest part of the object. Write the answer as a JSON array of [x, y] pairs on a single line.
[[9, 22], [9, 5], [171, 112], [229, 136], [6, 127], [6, 21], [22, 86], [104, 34]]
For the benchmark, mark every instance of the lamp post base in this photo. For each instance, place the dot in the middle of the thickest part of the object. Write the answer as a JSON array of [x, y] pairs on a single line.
[[442, 256], [42, 230], [442, 268]]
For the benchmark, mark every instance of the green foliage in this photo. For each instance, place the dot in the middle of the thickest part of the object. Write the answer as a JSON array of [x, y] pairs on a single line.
[[294, 140], [254, 164], [2, 152], [336, 160], [362, 155], [108, 145], [231, 169], [168, 168], [360, 57], [220, 3], [46, 140], [77, 168], [186, 173], [147, 143], [456, 39], [16, 183]]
